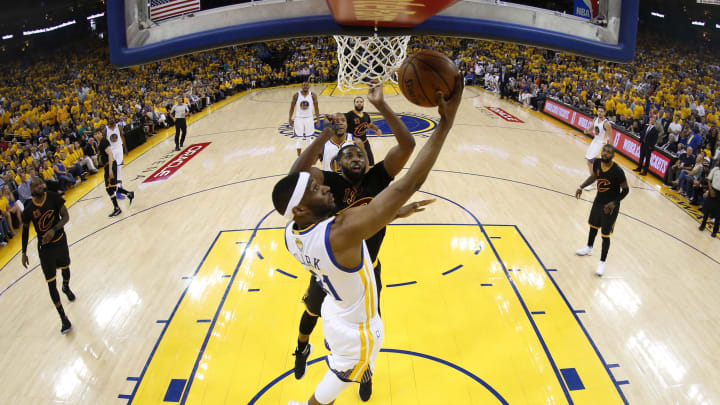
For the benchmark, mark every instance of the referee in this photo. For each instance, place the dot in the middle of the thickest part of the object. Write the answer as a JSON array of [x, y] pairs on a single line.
[[178, 112]]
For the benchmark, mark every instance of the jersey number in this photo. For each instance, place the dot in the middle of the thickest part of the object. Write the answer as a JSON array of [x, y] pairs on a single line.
[[327, 286]]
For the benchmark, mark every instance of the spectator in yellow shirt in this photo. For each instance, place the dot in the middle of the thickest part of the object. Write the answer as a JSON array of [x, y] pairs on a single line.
[[9, 207]]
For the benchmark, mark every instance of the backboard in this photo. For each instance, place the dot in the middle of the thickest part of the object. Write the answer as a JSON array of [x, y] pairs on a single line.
[[135, 38]]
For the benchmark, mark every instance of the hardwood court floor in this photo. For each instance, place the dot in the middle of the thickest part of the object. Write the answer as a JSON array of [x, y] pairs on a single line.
[[190, 297]]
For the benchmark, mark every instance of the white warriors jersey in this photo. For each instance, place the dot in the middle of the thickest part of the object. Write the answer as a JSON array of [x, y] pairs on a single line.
[[115, 146], [351, 293], [330, 151], [304, 105], [599, 130]]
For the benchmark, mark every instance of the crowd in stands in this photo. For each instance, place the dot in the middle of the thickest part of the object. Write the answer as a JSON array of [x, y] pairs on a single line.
[[52, 104], [672, 82]]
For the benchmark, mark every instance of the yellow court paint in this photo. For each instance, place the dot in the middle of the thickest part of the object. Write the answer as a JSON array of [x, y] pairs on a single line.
[[459, 326]]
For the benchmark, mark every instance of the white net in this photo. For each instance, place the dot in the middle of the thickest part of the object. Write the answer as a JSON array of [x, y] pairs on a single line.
[[363, 59]]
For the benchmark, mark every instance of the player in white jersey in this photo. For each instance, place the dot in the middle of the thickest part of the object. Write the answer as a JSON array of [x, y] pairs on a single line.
[[114, 134], [339, 138], [600, 131], [328, 247], [303, 104]]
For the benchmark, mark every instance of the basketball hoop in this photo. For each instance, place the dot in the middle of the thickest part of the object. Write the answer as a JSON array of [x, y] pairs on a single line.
[[363, 59]]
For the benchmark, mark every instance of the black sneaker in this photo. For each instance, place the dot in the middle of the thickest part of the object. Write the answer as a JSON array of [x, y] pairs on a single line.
[[130, 196], [116, 212], [365, 391], [301, 361], [177, 148], [66, 326], [70, 295]]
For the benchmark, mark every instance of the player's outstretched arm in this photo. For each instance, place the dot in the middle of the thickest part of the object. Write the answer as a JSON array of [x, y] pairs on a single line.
[[399, 154], [590, 180], [309, 156], [25, 237], [357, 224]]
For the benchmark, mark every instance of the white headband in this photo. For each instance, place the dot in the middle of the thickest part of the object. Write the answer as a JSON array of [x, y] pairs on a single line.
[[297, 194]]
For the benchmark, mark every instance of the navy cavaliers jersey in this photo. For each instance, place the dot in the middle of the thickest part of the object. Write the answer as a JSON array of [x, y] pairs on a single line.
[[358, 126], [44, 216], [103, 157], [608, 182], [374, 181]]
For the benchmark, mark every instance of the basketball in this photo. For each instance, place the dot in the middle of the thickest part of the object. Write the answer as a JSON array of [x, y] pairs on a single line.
[[421, 76]]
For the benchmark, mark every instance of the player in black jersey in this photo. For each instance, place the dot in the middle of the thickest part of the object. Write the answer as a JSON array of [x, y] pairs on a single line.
[[611, 189], [48, 215], [354, 186], [358, 123], [106, 160]]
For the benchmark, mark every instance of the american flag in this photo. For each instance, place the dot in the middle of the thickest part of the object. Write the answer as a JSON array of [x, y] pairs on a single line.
[[163, 9]]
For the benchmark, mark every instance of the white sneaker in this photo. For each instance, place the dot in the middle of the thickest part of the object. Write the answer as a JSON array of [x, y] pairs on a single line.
[[586, 251], [600, 269], [590, 187], [297, 403]]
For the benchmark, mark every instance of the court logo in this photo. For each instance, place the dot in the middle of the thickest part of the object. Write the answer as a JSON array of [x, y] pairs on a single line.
[[603, 185], [418, 124]]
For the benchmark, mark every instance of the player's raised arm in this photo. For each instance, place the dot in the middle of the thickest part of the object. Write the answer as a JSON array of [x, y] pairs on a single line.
[[309, 156], [357, 224], [590, 180], [399, 154]]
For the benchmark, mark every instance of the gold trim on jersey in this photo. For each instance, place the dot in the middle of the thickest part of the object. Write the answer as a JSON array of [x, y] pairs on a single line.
[[52, 279], [58, 238], [605, 170], [339, 145], [594, 227], [63, 267], [301, 231], [357, 203], [42, 202]]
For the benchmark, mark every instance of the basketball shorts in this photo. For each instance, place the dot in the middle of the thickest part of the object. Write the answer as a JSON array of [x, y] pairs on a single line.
[[594, 149], [600, 220], [353, 347], [304, 130], [108, 181], [54, 256]]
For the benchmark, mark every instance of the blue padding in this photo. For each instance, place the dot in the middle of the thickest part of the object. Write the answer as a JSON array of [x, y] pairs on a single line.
[[572, 379], [174, 391], [123, 56]]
